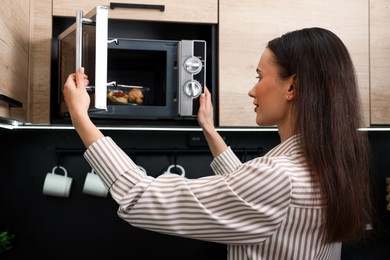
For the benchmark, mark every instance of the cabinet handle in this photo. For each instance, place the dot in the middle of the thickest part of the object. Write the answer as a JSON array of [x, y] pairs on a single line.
[[10, 101], [161, 8]]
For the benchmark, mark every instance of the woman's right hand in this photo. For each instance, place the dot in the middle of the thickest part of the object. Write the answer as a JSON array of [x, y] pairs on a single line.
[[206, 113]]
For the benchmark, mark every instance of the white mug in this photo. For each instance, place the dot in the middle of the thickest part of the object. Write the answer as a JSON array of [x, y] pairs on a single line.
[[57, 185], [168, 170], [93, 185]]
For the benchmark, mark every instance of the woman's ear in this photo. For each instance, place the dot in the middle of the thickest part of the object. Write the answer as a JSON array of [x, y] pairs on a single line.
[[291, 90]]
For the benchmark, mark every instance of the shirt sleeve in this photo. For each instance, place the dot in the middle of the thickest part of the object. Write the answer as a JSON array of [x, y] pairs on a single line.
[[226, 162], [236, 208], [116, 169]]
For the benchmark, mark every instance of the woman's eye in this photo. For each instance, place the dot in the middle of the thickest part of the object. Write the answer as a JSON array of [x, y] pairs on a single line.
[[258, 77]]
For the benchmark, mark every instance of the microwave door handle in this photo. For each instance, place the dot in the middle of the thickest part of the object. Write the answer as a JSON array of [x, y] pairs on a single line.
[[79, 38]]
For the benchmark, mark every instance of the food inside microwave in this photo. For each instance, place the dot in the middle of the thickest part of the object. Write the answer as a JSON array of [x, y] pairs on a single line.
[[126, 95]]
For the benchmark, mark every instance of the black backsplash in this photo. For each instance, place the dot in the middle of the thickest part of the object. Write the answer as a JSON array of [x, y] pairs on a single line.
[[87, 227]]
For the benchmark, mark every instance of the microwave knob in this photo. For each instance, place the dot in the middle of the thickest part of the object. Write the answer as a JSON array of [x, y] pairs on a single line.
[[193, 65], [192, 89]]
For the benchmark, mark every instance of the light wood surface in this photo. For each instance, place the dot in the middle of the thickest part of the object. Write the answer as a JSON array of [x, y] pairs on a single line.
[[246, 26], [14, 49], [380, 61], [40, 55], [194, 11]]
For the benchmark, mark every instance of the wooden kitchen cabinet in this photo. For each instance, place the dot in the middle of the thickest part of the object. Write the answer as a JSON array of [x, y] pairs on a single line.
[[39, 62], [205, 11], [380, 61], [25, 33], [246, 26], [14, 54], [244, 29]]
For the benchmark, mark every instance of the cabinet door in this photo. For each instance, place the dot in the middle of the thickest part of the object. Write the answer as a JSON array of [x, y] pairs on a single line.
[[40, 55], [205, 11], [380, 61], [14, 55], [246, 26]]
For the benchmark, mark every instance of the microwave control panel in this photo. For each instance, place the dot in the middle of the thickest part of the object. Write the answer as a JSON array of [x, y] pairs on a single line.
[[192, 75]]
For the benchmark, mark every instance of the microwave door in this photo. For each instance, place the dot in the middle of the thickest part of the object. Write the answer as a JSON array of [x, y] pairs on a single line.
[[96, 38], [101, 57]]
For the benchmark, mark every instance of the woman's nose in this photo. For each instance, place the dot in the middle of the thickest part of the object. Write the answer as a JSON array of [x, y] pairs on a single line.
[[251, 92]]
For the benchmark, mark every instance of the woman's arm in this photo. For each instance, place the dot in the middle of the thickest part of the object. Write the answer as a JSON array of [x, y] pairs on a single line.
[[77, 100], [206, 121]]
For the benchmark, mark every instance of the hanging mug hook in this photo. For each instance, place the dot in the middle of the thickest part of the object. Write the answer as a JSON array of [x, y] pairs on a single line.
[[183, 172]]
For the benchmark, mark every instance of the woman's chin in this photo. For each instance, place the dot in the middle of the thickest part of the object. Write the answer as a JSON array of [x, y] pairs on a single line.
[[262, 122]]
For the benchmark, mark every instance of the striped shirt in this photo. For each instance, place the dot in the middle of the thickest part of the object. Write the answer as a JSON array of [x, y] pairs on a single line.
[[266, 208]]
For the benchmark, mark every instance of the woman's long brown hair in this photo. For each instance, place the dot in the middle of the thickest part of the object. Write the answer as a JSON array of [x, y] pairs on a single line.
[[328, 114]]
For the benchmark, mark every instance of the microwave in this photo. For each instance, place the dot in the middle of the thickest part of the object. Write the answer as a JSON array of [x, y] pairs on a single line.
[[132, 78]]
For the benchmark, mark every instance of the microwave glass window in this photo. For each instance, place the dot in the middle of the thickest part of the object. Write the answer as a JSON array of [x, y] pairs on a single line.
[[144, 70], [89, 52], [68, 54], [67, 57]]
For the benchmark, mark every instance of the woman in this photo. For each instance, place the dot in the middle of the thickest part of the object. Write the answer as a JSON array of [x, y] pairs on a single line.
[[299, 201]]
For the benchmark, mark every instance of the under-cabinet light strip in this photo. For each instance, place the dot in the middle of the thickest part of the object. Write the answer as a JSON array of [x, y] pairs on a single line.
[[135, 128], [145, 128]]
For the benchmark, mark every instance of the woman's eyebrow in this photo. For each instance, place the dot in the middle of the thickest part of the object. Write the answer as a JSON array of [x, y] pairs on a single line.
[[258, 71]]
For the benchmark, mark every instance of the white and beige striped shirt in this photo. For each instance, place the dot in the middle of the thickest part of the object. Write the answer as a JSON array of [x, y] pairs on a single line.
[[266, 208]]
